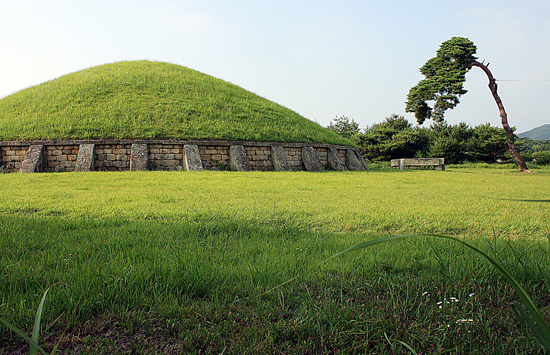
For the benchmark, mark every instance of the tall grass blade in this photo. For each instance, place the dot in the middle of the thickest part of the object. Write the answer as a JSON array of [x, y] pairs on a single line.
[[540, 336], [24, 336], [36, 329], [520, 291], [353, 248], [533, 318]]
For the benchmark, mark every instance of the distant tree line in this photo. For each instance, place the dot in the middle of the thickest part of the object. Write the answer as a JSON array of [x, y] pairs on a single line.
[[396, 138]]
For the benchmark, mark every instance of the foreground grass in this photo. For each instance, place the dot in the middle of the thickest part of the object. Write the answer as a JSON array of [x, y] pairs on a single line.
[[151, 100], [157, 261]]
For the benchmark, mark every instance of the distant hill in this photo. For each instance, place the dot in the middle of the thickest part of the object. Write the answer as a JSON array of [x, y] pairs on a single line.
[[541, 133]]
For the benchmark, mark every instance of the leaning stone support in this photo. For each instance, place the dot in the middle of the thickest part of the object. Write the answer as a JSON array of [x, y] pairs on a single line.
[[192, 158], [335, 159], [238, 160], [311, 160], [361, 160], [139, 158], [86, 159], [280, 161], [351, 160], [34, 160]]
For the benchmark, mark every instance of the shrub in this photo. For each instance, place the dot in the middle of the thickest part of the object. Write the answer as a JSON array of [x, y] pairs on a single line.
[[541, 158]]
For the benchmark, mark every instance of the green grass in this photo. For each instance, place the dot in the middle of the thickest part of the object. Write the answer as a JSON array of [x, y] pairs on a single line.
[[178, 260], [150, 100]]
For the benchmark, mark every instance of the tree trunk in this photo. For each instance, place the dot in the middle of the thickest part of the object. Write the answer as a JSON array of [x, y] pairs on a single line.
[[503, 117]]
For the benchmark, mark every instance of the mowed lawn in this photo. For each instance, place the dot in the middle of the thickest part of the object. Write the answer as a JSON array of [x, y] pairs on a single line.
[[170, 262]]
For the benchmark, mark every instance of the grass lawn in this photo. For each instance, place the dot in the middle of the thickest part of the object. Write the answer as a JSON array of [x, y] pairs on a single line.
[[169, 262]]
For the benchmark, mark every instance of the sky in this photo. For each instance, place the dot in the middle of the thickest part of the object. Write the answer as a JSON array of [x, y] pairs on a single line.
[[322, 59]]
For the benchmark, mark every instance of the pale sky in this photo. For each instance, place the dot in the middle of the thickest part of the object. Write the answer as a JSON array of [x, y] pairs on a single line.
[[320, 58]]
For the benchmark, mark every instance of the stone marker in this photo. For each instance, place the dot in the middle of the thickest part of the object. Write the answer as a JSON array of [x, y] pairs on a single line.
[[238, 160], [139, 158], [361, 160], [280, 161], [351, 160], [86, 159], [335, 159], [311, 160], [34, 160], [417, 163], [192, 158]]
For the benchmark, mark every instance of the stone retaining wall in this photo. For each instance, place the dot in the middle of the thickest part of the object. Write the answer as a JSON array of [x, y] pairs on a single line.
[[116, 155]]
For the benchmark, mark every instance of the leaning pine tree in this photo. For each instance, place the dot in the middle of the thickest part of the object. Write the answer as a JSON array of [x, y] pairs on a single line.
[[445, 75]]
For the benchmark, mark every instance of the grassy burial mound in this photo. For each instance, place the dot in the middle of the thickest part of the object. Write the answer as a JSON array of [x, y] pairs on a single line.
[[150, 100]]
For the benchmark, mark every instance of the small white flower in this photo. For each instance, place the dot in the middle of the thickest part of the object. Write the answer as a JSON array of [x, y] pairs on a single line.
[[471, 294], [464, 320]]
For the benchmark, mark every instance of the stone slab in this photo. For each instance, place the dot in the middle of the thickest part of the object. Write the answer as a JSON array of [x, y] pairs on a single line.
[[361, 160], [335, 159], [192, 158], [412, 163], [238, 160], [280, 161], [86, 158], [351, 160], [139, 157], [311, 160], [34, 160]]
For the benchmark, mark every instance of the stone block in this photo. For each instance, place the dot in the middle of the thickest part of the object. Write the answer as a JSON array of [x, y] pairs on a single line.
[[311, 159], [138, 157], [119, 151], [335, 160], [123, 164], [279, 157], [191, 158], [238, 159], [34, 160], [85, 160]]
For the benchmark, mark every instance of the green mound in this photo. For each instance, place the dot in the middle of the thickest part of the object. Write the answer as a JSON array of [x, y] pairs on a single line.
[[150, 100]]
